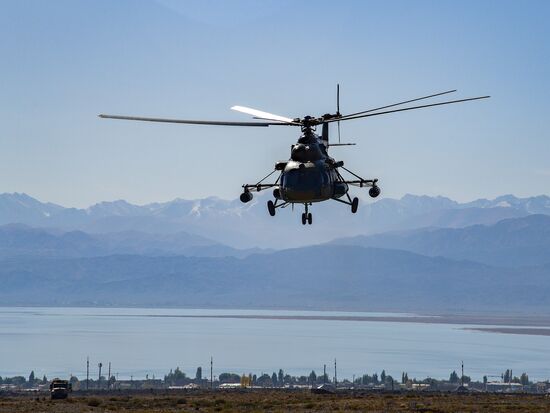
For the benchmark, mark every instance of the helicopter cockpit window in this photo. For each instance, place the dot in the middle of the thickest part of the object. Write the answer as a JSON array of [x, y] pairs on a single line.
[[304, 178], [292, 178]]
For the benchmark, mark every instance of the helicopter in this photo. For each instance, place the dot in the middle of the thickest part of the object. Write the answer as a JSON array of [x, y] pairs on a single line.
[[310, 175]]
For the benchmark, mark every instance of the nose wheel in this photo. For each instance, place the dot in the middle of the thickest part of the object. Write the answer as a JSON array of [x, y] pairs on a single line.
[[307, 217]]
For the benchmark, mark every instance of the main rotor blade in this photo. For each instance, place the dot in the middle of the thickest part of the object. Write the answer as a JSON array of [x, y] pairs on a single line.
[[400, 103], [192, 122], [259, 114], [401, 110]]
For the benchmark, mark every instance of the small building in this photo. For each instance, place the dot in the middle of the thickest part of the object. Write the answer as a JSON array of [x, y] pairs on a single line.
[[500, 387], [230, 386]]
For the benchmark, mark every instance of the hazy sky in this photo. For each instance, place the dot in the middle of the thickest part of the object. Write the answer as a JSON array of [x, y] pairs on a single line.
[[62, 62]]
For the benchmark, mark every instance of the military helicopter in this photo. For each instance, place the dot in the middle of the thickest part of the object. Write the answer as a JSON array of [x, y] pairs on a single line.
[[310, 175]]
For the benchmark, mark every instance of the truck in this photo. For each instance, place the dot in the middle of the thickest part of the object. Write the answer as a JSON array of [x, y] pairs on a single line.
[[59, 389]]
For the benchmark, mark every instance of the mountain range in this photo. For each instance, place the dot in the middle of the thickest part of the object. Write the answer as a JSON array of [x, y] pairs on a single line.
[[417, 253], [249, 226], [19, 240], [511, 242], [318, 277]]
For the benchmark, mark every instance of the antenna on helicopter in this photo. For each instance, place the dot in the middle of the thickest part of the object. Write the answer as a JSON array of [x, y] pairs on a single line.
[[338, 114]]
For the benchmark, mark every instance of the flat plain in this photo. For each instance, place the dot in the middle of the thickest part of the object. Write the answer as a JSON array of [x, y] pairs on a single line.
[[272, 401]]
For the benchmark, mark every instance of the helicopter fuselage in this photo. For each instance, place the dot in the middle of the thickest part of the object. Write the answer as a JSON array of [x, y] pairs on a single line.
[[307, 182], [309, 175]]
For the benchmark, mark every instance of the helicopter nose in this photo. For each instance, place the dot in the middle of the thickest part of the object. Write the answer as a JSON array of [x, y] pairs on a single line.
[[302, 184]]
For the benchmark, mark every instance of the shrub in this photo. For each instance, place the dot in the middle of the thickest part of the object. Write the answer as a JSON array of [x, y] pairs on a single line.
[[94, 402]]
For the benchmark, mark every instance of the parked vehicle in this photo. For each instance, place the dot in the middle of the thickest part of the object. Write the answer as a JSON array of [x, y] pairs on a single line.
[[59, 389]]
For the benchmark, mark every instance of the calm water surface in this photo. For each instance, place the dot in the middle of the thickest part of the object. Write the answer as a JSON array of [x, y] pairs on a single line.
[[56, 341]]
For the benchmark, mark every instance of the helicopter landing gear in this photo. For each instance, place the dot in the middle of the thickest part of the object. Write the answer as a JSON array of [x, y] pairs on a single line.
[[354, 205], [271, 208], [374, 190], [307, 217]]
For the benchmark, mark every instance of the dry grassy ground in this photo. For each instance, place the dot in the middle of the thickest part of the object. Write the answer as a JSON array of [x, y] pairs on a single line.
[[273, 401]]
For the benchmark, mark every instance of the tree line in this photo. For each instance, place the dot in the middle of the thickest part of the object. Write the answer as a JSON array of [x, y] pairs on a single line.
[[178, 377]]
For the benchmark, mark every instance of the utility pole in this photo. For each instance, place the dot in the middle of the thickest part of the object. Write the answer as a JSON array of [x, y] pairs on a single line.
[[324, 374], [87, 372], [462, 377], [335, 377], [211, 376], [99, 377], [109, 378]]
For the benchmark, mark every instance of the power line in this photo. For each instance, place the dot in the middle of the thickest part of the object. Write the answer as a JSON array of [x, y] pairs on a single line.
[[99, 376], [335, 377], [87, 372], [462, 377], [109, 378]]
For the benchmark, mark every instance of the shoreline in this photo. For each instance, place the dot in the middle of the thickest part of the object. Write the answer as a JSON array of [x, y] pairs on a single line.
[[512, 330], [428, 319], [489, 323]]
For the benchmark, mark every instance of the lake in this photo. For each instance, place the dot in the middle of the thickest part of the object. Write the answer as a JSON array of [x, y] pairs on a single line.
[[56, 342]]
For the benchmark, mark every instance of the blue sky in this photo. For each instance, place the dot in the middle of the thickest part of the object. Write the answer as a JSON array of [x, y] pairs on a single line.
[[63, 62]]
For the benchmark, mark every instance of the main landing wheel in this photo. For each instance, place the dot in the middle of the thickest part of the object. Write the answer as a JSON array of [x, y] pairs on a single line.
[[271, 208], [309, 218], [354, 205], [304, 218]]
